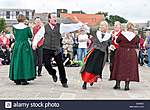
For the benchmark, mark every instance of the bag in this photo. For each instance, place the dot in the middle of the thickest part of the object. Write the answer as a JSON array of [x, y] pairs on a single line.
[[41, 42]]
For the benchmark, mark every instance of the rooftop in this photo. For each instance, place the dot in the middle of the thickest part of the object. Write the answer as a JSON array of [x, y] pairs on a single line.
[[91, 19]]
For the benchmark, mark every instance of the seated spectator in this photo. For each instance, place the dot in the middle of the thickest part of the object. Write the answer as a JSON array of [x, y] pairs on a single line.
[[67, 58], [4, 40], [4, 55]]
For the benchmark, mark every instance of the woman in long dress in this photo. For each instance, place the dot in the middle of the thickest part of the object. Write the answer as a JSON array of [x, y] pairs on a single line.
[[95, 60], [126, 61], [22, 68]]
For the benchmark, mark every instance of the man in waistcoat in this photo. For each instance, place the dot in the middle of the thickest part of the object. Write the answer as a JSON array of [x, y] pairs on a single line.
[[51, 48]]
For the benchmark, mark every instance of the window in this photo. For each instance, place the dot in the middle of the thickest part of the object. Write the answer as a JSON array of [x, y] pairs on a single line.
[[17, 13], [7, 14], [27, 14]]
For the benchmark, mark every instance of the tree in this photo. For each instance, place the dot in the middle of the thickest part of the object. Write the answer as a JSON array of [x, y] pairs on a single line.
[[102, 13], [113, 18], [2, 24]]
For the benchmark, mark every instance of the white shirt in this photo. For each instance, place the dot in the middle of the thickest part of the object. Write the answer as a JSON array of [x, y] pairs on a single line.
[[82, 40], [52, 27]]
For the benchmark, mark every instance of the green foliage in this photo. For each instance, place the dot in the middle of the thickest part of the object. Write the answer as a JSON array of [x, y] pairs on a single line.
[[2, 24], [102, 13], [112, 18]]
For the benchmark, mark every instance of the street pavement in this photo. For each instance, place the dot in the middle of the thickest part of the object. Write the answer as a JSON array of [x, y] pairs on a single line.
[[43, 88]]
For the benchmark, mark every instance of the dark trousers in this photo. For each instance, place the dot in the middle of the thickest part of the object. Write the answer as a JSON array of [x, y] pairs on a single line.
[[107, 55], [141, 57], [112, 54], [47, 56], [74, 52], [38, 55]]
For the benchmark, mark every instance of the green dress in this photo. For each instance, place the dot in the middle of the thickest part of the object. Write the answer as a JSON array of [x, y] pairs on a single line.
[[22, 61]]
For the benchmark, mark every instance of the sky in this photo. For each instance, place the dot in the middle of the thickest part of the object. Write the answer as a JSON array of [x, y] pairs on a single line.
[[132, 10]]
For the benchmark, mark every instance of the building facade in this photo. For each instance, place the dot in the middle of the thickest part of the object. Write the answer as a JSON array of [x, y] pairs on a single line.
[[61, 11], [10, 15]]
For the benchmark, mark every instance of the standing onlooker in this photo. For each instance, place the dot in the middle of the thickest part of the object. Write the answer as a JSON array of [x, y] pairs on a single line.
[[95, 60], [38, 53], [22, 67], [75, 45], [141, 51], [126, 63], [82, 45], [67, 44], [147, 46]]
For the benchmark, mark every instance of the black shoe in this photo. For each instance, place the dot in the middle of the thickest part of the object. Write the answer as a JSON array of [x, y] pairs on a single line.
[[64, 85], [18, 82], [141, 64], [84, 86], [39, 75], [116, 87], [24, 83], [91, 84], [126, 86], [54, 78], [39, 71]]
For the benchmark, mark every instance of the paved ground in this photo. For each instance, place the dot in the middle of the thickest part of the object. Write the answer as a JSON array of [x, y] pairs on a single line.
[[44, 88]]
